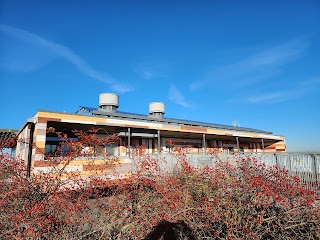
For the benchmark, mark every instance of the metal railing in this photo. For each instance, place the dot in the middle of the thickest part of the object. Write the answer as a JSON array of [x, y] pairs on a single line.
[[305, 166]]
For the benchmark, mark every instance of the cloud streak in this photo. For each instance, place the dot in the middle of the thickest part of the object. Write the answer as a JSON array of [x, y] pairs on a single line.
[[176, 96], [149, 70], [65, 53], [270, 97], [145, 74], [256, 67], [303, 88]]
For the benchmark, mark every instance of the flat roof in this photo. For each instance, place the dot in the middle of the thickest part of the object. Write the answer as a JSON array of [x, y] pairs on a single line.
[[134, 116]]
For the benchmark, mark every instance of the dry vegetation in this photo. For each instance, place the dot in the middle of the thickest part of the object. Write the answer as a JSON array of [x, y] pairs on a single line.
[[236, 199]]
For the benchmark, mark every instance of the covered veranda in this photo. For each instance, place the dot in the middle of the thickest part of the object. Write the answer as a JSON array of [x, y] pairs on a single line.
[[155, 140]]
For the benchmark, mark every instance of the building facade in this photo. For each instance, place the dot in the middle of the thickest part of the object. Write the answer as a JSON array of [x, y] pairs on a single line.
[[151, 134]]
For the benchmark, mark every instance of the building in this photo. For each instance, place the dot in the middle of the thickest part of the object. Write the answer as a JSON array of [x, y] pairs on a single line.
[[151, 133]]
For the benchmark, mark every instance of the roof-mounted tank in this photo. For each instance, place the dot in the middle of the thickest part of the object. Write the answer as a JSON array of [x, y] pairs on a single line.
[[156, 109], [109, 102]]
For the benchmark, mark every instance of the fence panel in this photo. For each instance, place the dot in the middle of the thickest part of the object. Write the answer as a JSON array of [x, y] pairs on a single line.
[[304, 166]]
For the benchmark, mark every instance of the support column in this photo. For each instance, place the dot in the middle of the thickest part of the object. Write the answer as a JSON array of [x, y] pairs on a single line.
[[238, 145], [129, 141], [204, 143], [39, 139], [262, 141], [150, 145], [159, 143], [31, 127]]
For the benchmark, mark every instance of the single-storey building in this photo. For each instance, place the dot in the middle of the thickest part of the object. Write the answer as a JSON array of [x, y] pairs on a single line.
[[151, 133]]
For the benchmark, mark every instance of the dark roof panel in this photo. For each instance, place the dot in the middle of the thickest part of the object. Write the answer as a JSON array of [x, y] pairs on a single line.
[[135, 116]]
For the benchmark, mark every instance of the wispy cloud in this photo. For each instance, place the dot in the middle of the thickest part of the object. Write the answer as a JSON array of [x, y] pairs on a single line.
[[149, 70], [270, 97], [176, 96], [145, 74], [264, 64], [63, 52], [300, 89], [280, 54], [121, 88]]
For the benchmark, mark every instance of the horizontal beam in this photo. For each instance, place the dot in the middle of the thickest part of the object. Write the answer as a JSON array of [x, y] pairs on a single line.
[[134, 134]]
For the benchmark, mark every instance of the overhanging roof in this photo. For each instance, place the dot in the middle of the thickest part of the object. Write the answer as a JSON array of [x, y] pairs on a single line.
[[134, 116]]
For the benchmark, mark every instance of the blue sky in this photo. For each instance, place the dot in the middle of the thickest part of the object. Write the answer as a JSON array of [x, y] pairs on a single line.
[[256, 62]]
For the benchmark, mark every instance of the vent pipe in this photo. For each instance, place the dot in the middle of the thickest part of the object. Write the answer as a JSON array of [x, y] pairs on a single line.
[[156, 109], [109, 102]]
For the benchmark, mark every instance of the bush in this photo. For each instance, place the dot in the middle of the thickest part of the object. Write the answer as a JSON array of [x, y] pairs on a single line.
[[236, 199]]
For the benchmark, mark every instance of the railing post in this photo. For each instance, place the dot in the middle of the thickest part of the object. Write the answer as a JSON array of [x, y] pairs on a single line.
[[289, 160], [315, 169]]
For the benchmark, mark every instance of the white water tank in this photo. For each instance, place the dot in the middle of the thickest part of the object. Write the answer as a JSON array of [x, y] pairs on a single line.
[[156, 109], [109, 101]]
